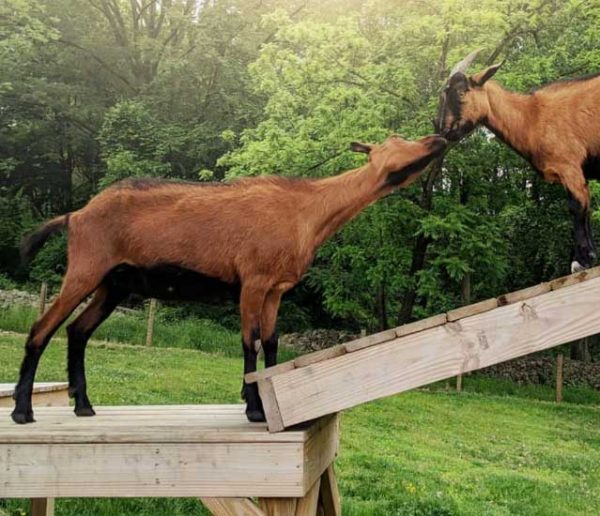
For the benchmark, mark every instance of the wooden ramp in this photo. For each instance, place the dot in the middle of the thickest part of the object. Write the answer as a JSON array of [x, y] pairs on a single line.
[[430, 350], [206, 451]]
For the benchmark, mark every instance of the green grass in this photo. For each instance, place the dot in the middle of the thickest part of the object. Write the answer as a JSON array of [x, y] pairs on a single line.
[[430, 452], [189, 332]]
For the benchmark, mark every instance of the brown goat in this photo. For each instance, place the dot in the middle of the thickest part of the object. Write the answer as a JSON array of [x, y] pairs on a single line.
[[178, 240], [555, 128]]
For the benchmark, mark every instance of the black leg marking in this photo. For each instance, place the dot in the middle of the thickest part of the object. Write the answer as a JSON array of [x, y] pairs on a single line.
[[23, 411], [270, 347], [76, 366], [585, 249], [79, 333], [254, 408]]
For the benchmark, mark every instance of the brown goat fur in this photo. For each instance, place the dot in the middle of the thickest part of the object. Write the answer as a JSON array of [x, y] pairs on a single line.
[[165, 239], [556, 128]]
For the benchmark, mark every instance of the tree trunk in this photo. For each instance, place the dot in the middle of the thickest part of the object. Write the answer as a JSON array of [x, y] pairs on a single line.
[[381, 307], [580, 350], [407, 301]]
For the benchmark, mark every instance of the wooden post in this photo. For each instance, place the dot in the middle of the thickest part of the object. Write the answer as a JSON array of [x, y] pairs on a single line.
[[43, 296], [330, 495], [459, 383], [42, 506], [151, 316], [465, 298], [559, 377]]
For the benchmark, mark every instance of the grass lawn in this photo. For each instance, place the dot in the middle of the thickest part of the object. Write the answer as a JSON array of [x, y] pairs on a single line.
[[494, 449], [130, 328]]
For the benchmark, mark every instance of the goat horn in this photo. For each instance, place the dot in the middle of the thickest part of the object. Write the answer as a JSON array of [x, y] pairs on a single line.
[[465, 63]]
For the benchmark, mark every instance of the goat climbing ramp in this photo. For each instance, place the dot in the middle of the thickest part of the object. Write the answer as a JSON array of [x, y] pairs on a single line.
[[443, 346]]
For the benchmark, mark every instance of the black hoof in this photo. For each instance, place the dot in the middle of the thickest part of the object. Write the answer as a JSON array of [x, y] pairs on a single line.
[[255, 416], [85, 412], [22, 418]]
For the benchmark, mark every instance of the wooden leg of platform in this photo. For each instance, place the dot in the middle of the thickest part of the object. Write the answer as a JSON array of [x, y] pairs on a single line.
[[232, 507], [278, 506], [307, 506], [42, 507], [329, 495]]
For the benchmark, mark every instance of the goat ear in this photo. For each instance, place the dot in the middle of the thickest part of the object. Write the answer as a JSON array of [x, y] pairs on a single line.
[[360, 147], [482, 77]]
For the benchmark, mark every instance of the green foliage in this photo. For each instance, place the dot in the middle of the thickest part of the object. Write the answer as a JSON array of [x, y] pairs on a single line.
[[213, 90], [134, 143]]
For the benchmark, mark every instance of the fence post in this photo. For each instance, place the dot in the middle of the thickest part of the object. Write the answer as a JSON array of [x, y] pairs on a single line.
[[43, 296], [459, 383], [559, 377], [150, 329]]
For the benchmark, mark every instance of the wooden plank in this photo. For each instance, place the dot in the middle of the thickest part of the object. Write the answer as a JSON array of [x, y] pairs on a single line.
[[559, 377], [523, 294], [165, 470], [42, 399], [231, 506], [573, 279], [153, 425], [475, 342], [318, 356], [269, 401], [278, 506], [43, 297], [7, 389], [270, 371], [150, 325], [474, 309], [370, 340], [330, 495], [423, 324], [42, 507], [307, 505], [321, 449]]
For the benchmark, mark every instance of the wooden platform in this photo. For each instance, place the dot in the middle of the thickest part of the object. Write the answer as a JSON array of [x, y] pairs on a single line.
[[443, 346], [45, 394], [206, 451]]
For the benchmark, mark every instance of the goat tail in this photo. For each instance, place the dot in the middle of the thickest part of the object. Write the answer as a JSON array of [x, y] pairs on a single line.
[[33, 242]]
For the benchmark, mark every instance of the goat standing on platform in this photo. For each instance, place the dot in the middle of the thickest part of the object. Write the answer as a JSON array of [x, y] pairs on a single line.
[[191, 241], [556, 129]]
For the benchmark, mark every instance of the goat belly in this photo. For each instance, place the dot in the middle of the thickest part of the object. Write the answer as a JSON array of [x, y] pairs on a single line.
[[591, 167], [171, 282]]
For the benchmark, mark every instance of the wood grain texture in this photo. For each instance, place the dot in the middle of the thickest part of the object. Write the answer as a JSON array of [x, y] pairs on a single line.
[[278, 506], [573, 279], [321, 449], [318, 356], [42, 399], [523, 294], [474, 342], [307, 505], [370, 340], [474, 309], [423, 324], [162, 470], [42, 506], [231, 506], [7, 389], [270, 371], [269, 402], [198, 451], [330, 495], [143, 424]]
